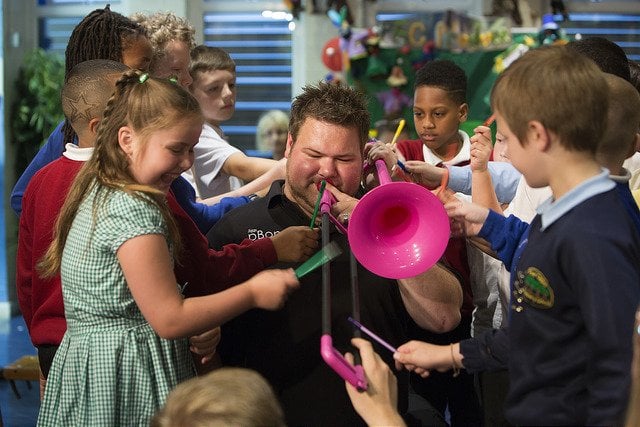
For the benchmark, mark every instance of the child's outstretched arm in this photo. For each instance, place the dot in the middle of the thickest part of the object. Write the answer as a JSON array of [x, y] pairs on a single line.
[[259, 185], [247, 168], [504, 175], [482, 191], [376, 405], [148, 270], [504, 234], [378, 151], [421, 357], [205, 216], [468, 218], [424, 173]]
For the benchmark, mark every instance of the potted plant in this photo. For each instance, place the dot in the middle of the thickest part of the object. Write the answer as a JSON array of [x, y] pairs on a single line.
[[37, 109]]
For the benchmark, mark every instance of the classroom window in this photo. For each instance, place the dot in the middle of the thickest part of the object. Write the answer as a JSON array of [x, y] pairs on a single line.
[[55, 32], [622, 29], [72, 2], [260, 44]]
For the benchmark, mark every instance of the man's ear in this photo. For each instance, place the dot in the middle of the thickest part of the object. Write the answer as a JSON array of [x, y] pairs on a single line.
[[125, 139], [287, 150]]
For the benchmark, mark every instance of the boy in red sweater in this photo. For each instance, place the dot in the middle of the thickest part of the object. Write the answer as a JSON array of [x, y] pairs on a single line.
[[40, 299]]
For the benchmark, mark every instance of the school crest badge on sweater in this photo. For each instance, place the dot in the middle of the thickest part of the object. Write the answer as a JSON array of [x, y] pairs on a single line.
[[533, 286]]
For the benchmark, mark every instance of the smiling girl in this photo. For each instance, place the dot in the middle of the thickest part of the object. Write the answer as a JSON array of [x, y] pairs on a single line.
[[115, 241]]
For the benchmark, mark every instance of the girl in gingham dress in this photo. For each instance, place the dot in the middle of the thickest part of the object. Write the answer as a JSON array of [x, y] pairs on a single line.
[[126, 343]]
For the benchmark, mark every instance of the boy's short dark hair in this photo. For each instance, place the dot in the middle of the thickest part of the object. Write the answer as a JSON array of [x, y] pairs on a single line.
[[560, 88], [88, 87], [446, 75], [606, 54], [209, 58]]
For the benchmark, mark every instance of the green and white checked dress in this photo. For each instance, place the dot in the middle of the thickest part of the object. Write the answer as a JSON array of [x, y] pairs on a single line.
[[111, 369]]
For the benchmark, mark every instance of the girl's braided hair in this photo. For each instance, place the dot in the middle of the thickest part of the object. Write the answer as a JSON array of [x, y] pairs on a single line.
[[102, 34]]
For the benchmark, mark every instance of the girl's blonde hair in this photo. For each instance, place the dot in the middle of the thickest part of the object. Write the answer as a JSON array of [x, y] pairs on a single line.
[[224, 397], [147, 105], [270, 119], [163, 28]]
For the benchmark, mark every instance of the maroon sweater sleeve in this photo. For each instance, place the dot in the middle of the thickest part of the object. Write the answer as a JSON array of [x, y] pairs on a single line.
[[40, 298], [202, 271], [411, 149]]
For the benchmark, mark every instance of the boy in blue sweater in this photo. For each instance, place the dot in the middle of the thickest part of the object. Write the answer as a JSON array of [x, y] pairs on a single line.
[[575, 271]]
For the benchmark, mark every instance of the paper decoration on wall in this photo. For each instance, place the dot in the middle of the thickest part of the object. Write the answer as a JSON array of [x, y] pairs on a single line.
[[393, 101], [397, 77]]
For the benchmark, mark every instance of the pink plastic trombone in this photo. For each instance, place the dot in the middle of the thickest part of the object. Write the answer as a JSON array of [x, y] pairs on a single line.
[[353, 374]]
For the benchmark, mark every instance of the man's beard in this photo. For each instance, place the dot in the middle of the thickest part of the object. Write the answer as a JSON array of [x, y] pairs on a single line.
[[303, 197]]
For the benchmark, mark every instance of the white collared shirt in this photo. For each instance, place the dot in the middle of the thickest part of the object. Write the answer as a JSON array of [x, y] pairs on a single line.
[[464, 155]]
